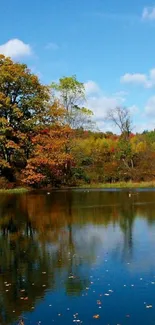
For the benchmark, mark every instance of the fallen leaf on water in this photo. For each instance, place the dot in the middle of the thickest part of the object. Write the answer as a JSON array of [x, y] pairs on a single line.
[[96, 316], [99, 302]]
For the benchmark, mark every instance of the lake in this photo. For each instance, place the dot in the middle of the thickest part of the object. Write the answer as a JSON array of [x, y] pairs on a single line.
[[78, 256]]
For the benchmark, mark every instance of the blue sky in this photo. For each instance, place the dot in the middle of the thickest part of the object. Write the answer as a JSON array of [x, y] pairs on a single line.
[[108, 44]]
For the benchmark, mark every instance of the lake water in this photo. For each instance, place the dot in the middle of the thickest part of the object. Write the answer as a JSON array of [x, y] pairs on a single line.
[[72, 257]]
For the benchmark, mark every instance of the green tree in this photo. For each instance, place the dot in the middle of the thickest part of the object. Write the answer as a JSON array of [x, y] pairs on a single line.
[[71, 94]]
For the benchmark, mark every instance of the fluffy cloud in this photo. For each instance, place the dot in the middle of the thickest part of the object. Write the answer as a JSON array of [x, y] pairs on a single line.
[[91, 87], [147, 81], [150, 107], [15, 48], [100, 103], [133, 110], [148, 13], [135, 78], [143, 126]]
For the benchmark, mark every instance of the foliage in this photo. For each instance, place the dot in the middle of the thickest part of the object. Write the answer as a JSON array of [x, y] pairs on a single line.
[[47, 136], [23, 103], [71, 94], [48, 162]]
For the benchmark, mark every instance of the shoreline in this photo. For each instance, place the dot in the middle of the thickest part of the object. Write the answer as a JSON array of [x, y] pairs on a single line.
[[19, 190], [119, 185]]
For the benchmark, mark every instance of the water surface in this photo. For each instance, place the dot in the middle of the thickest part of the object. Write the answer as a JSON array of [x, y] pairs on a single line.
[[83, 256]]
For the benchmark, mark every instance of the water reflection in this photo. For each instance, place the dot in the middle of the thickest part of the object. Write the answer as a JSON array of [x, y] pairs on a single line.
[[50, 242]]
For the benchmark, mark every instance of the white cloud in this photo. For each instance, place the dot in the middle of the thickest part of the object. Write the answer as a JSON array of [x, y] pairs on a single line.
[[152, 76], [121, 94], [147, 81], [15, 48], [100, 103], [133, 110], [91, 87], [135, 78], [143, 126], [148, 13], [52, 46], [150, 107]]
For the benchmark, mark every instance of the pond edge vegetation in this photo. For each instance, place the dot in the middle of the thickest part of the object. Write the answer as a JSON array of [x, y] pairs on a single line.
[[49, 139], [119, 185]]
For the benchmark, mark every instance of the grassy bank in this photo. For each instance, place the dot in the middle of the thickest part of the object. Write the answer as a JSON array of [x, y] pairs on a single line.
[[19, 190], [121, 185]]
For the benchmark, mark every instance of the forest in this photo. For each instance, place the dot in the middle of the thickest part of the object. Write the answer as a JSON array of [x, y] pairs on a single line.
[[48, 137]]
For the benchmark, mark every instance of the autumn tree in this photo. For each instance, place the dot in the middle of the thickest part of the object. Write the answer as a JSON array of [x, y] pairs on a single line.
[[71, 94], [120, 117], [47, 166], [23, 102], [48, 161]]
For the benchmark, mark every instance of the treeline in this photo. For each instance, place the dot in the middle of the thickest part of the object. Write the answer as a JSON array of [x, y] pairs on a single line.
[[48, 138]]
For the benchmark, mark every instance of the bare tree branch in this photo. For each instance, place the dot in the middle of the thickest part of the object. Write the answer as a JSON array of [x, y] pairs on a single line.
[[120, 117]]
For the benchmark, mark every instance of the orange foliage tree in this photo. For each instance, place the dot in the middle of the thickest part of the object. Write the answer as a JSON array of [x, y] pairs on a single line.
[[50, 158], [23, 102]]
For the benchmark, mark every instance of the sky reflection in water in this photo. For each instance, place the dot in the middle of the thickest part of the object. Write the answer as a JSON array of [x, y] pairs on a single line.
[[77, 257]]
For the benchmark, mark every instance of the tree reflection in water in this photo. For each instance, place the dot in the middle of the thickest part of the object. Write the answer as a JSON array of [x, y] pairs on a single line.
[[39, 246]]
